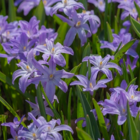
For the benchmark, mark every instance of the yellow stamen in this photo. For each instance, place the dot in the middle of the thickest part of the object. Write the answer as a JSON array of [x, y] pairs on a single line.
[[49, 128], [101, 3], [138, 19], [27, 67], [24, 48], [28, 32], [45, 2], [34, 135], [123, 110], [53, 49], [78, 23], [101, 63], [8, 32], [90, 85], [84, 11], [65, 2], [132, 96], [134, 10], [107, 124], [45, 45], [51, 76], [16, 138], [0, 28]]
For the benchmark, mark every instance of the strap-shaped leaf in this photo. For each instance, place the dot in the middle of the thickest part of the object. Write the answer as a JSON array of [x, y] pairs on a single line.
[[122, 51], [83, 134], [133, 132], [87, 108], [101, 120], [136, 26]]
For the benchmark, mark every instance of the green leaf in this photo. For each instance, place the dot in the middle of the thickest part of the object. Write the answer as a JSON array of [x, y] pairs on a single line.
[[87, 108], [133, 132], [136, 26], [131, 72], [101, 120], [132, 82], [83, 134], [4, 128], [12, 12], [62, 30], [84, 3], [74, 70], [122, 51], [40, 13], [57, 19], [8, 81], [69, 108], [3, 8], [109, 33], [49, 103], [138, 8], [40, 101], [10, 109]]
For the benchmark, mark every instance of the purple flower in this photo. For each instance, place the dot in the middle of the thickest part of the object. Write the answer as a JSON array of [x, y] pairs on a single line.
[[33, 132], [15, 124], [50, 130], [90, 85], [100, 4], [119, 108], [27, 71], [49, 34], [102, 64], [78, 25], [48, 4], [36, 110], [51, 78], [94, 21], [54, 51], [30, 28], [27, 5], [67, 5], [129, 63]]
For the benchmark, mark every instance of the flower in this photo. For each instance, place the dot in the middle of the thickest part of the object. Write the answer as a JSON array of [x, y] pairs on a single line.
[[67, 5], [26, 5], [78, 25], [50, 77], [36, 110], [119, 108], [54, 50], [102, 64], [90, 85]]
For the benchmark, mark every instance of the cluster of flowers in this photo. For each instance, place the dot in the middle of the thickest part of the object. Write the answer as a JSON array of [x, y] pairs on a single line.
[[38, 130], [24, 41]]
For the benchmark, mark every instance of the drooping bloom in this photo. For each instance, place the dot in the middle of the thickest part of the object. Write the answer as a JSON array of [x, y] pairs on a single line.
[[54, 50], [51, 78], [102, 64], [90, 85], [67, 5], [78, 25]]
